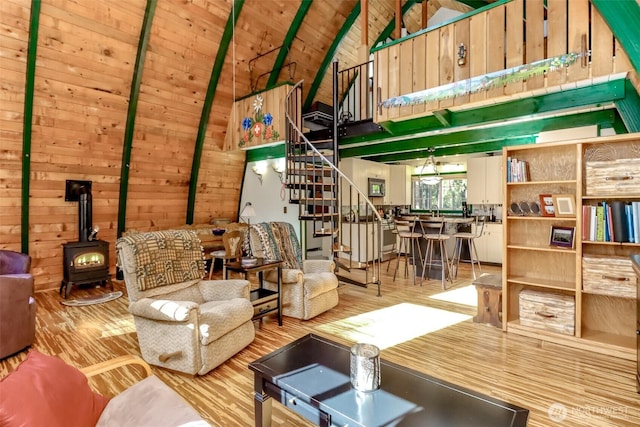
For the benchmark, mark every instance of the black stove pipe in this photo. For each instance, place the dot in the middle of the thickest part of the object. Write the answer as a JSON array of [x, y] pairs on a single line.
[[85, 214]]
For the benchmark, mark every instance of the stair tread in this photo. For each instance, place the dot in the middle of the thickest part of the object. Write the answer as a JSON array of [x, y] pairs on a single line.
[[337, 247]]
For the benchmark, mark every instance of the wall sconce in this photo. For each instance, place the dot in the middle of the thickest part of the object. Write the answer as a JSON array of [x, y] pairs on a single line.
[[279, 166], [462, 54], [259, 168]]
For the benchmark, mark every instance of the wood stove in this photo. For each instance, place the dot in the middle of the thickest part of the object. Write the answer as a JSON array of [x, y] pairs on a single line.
[[85, 261]]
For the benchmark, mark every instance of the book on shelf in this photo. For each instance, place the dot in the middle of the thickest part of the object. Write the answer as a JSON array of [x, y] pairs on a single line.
[[619, 222], [594, 224], [586, 222], [628, 209], [600, 223], [636, 220], [518, 170]]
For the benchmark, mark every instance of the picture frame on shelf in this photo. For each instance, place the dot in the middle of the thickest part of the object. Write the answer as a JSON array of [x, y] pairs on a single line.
[[564, 205], [562, 237], [546, 205]]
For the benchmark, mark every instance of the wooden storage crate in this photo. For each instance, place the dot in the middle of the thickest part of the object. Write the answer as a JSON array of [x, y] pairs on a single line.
[[550, 311], [613, 276], [618, 177]]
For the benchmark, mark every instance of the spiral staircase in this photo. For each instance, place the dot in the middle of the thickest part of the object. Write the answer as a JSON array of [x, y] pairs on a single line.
[[330, 204]]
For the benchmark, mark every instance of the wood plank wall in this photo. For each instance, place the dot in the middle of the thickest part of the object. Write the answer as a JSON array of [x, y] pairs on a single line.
[[86, 53], [273, 102], [504, 36]]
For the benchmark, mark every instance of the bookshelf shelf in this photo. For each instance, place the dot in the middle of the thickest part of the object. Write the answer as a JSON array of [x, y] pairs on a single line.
[[596, 172], [611, 197], [595, 242], [524, 246], [542, 283], [546, 182], [540, 218]]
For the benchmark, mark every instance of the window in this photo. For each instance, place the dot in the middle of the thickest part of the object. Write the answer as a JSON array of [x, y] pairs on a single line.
[[446, 195]]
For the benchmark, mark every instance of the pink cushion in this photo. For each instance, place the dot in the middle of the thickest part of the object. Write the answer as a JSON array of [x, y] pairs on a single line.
[[45, 391]]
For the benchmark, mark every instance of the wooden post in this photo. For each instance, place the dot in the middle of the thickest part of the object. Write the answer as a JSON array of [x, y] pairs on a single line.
[[396, 33], [363, 51], [425, 14]]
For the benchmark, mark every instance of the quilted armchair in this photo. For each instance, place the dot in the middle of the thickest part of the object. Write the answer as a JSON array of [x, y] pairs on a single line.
[[309, 287], [17, 305], [183, 322]]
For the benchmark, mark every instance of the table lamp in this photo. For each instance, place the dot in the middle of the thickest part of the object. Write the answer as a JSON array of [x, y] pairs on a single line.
[[248, 212]]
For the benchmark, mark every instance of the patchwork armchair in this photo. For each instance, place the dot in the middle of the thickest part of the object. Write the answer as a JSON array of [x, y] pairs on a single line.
[[183, 322], [17, 305], [309, 287]]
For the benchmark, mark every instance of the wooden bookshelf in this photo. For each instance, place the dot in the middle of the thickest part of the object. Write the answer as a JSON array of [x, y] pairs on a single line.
[[604, 318]]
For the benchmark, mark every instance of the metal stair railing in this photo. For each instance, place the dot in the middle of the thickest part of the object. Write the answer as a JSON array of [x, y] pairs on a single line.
[[318, 187]]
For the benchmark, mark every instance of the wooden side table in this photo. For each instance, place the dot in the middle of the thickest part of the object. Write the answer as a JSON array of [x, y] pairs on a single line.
[[264, 301], [489, 287]]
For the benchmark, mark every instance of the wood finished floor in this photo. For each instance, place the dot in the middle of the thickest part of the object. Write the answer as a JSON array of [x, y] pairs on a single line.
[[596, 390]]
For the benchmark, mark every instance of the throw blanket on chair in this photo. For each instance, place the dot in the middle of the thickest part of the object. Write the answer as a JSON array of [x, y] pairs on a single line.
[[165, 257], [279, 241]]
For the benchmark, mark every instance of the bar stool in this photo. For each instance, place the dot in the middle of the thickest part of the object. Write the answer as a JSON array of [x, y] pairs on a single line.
[[469, 239], [434, 235], [408, 241]]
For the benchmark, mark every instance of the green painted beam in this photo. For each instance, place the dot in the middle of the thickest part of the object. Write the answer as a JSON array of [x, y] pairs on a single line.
[[143, 43], [481, 147], [476, 4], [618, 126], [216, 71], [444, 117], [328, 58], [386, 33], [598, 94], [27, 120], [270, 152], [509, 130], [288, 39], [629, 109], [623, 17]]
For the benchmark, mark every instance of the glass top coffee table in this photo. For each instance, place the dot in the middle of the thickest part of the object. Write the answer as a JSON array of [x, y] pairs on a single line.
[[310, 376]]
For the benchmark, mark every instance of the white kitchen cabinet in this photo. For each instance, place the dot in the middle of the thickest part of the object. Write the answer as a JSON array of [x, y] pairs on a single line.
[[484, 180], [398, 186], [489, 244]]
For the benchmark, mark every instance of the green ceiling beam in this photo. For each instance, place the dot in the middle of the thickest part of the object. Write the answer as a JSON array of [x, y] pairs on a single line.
[[476, 4], [480, 147], [27, 120], [143, 43], [216, 71], [509, 130], [444, 117], [270, 152], [288, 39], [623, 17], [629, 109], [598, 94], [386, 33], [328, 58]]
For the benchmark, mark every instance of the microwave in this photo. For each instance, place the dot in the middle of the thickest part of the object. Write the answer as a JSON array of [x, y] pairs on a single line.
[[376, 187]]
